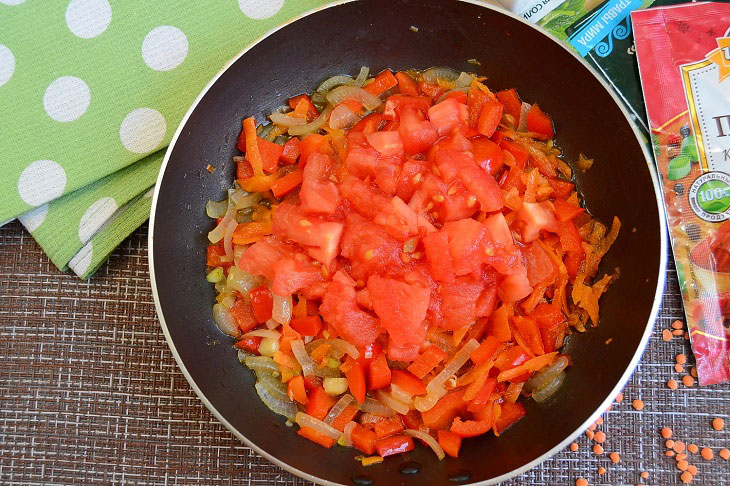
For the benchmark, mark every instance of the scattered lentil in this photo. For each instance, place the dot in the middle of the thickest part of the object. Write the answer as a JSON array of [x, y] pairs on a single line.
[[620, 397], [589, 434], [677, 332], [678, 446], [669, 444], [581, 482], [688, 380], [692, 469], [677, 325], [718, 423], [669, 453], [598, 449], [681, 457], [601, 470], [672, 384], [678, 368], [681, 359], [707, 453], [615, 457], [693, 371], [693, 448], [644, 475], [686, 477], [574, 446], [682, 465], [667, 335], [593, 426], [600, 436], [599, 421], [686, 336], [666, 432], [638, 404], [725, 454]]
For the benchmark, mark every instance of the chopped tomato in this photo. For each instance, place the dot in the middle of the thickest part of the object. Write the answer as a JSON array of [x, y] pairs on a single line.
[[489, 118], [512, 103], [539, 122], [311, 109], [387, 144], [379, 374], [395, 105], [369, 124], [244, 316], [340, 311], [536, 217], [448, 115], [306, 326], [417, 133], [290, 153], [487, 155]]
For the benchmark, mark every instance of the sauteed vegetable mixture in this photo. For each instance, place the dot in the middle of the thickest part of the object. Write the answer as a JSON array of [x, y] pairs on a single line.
[[402, 256]]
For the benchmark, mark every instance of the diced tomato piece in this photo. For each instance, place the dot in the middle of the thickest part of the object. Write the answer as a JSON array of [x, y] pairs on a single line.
[[448, 115], [382, 83], [387, 144], [291, 152], [259, 258], [458, 302], [467, 241], [401, 308], [407, 183], [362, 160], [459, 204], [396, 444], [539, 265], [340, 311], [439, 257], [449, 442], [406, 84], [318, 195], [379, 373], [408, 382], [312, 143], [499, 230], [536, 217], [369, 247], [417, 133], [244, 315], [547, 315], [262, 302], [515, 287], [539, 122], [487, 155], [395, 105], [311, 109], [565, 211], [512, 103], [320, 238], [306, 326], [489, 118], [477, 97], [213, 256]]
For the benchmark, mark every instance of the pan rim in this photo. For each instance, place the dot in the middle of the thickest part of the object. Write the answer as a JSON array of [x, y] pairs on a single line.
[[661, 277]]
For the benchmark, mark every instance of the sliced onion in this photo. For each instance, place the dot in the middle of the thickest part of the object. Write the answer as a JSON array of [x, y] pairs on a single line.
[[440, 75], [216, 209], [219, 231], [228, 301], [286, 120], [349, 427], [228, 238], [238, 251], [369, 418], [400, 394], [273, 385], [542, 394], [309, 367], [242, 199], [524, 111], [333, 82], [344, 346], [241, 280], [432, 443], [426, 403], [281, 311], [464, 80], [312, 126], [459, 359], [391, 402], [262, 363], [287, 408], [374, 407], [224, 320], [271, 324], [343, 117], [342, 93], [546, 375], [242, 355], [339, 407], [305, 420], [362, 76], [264, 333], [455, 90]]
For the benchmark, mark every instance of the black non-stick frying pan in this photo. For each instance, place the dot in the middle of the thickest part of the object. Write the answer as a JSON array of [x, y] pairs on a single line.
[[377, 33]]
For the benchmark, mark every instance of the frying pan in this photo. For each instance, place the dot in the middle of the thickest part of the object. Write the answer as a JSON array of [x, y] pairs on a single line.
[[377, 33]]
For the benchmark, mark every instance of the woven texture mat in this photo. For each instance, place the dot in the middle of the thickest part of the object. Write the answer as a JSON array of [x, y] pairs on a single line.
[[90, 393]]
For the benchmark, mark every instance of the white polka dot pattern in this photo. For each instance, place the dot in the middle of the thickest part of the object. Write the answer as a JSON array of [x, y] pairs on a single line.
[[142, 130], [41, 181], [88, 18], [66, 98], [164, 48]]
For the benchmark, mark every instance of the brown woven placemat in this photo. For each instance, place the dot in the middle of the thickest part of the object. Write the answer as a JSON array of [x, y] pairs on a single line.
[[90, 393]]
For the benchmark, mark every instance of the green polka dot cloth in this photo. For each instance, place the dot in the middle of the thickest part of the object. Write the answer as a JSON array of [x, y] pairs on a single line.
[[91, 92]]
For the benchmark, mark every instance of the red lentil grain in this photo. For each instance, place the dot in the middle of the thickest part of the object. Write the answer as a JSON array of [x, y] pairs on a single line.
[[677, 332], [644, 475], [601, 470], [669, 444], [666, 432], [615, 457], [574, 446], [678, 368], [686, 477], [667, 335], [598, 449], [669, 453], [692, 469], [678, 446], [677, 325], [725, 454], [600, 436], [581, 482], [693, 371], [693, 448], [686, 336], [681, 359], [707, 453], [599, 421], [638, 405], [682, 465], [672, 384], [620, 397], [688, 381], [589, 434], [718, 424]]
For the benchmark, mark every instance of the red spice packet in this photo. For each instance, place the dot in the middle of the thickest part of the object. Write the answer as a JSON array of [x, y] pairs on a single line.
[[684, 63]]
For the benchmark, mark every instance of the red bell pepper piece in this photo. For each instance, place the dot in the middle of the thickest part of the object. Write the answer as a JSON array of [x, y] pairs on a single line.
[[572, 262], [396, 444], [519, 152], [511, 413], [408, 382], [284, 185], [244, 315], [569, 237], [316, 437], [213, 256], [244, 170], [499, 325], [443, 413], [561, 188], [379, 374], [306, 326], [527, 327], [291, 152], [355, 375], [511, 101], [470, 428], [429, 89], [565, 211], [319, 403], [312, 382], [412, 420], [406, 85], [449, 442], [547, 315], [485, 350], [270, 153], [347, 415], [482, 397], [309, 144], [262, 302], [382, 83], [489, 118], [369, 124], [250, 344], [311, 109], [296, 391], [539, 122], [363, 439], [427, 361], [388, 427]]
